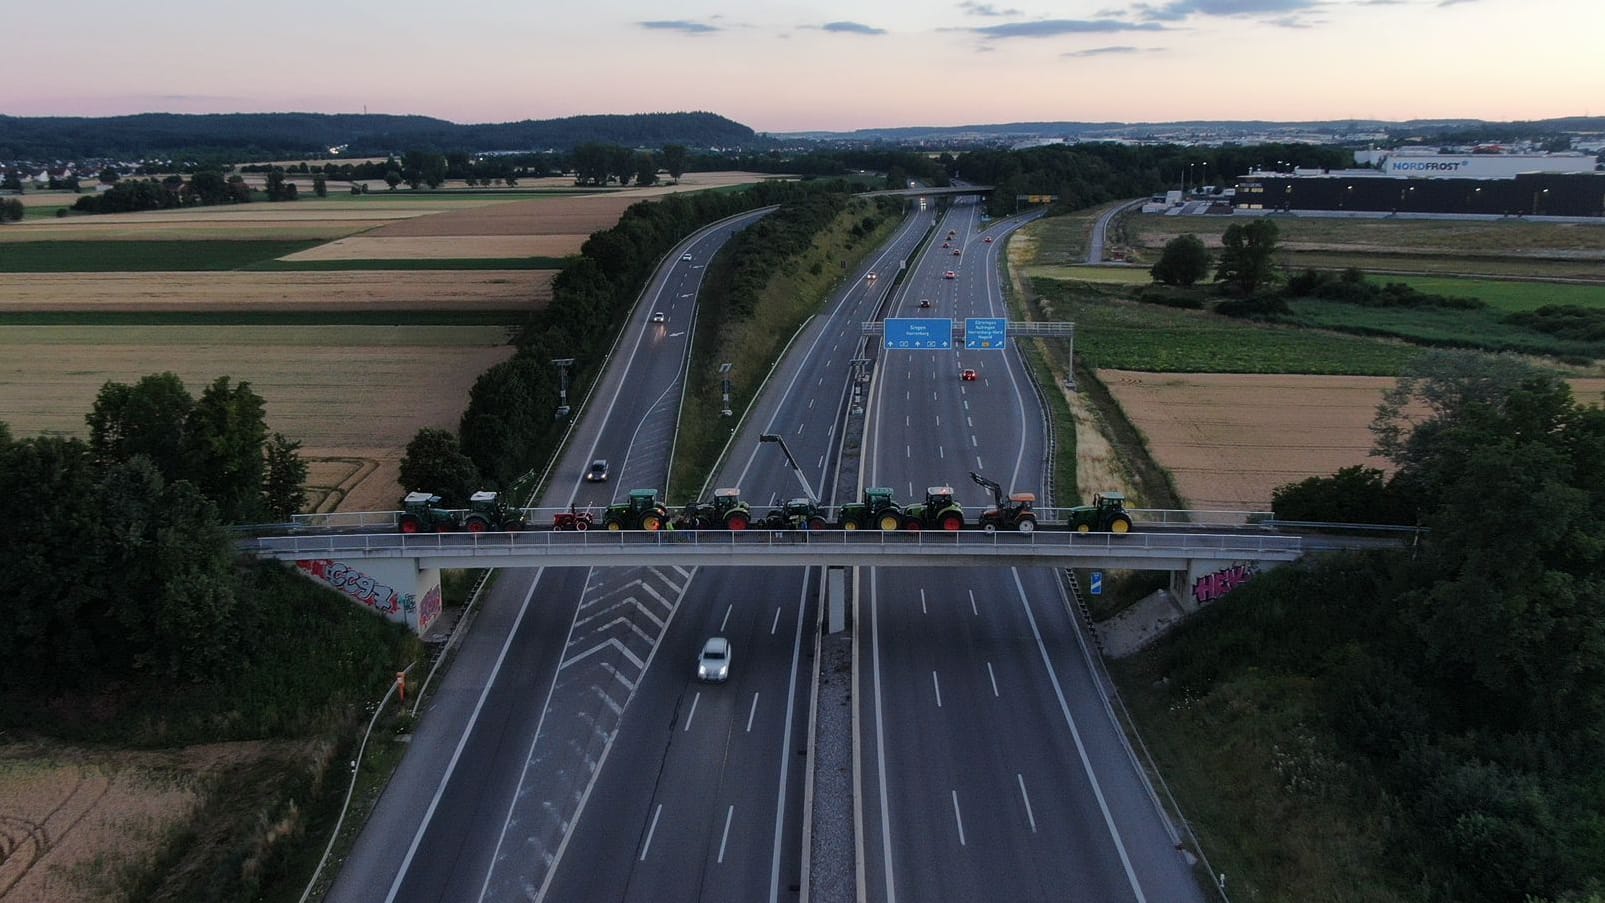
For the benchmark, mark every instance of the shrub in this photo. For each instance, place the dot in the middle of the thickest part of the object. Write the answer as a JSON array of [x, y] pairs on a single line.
[[1183, 262]]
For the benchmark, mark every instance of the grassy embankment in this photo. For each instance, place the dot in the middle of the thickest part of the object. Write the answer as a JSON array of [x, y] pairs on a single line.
[[788, 277]]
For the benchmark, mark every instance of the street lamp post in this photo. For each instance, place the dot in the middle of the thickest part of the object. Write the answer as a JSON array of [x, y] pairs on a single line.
[[724, 385], [562, 364]]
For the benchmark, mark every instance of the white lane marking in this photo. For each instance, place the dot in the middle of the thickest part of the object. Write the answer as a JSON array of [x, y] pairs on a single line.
[[978, 465], [800, 428], [726, 616], [970, 423], [939, 453], [905, 395], [937, 686], [785, 748], [908, 452], [977, 611], [693, 713], [974, 441], [958, 818], [922, 602], [753, 712], [440, 789], [775, 626], [821, 381], [966, 402], [933, 396], [938, 417], [728, 814], [1075, 734], [649, 832], [880, 736], [905, 420], [810, 404], [993, 675], [821, 464], [1027, 798]]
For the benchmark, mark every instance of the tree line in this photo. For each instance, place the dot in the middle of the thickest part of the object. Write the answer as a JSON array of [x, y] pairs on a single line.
[[203, 189], [119, 558]]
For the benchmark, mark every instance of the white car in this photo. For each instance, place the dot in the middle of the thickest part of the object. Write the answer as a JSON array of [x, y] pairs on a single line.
[[713, 663], [659, 316], [685, 256]]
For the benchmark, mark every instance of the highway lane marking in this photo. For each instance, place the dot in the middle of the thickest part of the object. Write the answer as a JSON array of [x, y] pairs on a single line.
[[938, 416], [821, 464], [729, 814], [974, 441], [726, 620], [1075, 734], [958, 818], [753, 712], [939, 452], [811, 404], [775, 626], [785, 745], [978, 463], [922, 601], [1027, 797], [937, 685], [693, 713], [970, 423], [880, 736], [451, 766], [800, 428], [977, 611], [993, 675], [908, 452], [649, 832], [610, 641]]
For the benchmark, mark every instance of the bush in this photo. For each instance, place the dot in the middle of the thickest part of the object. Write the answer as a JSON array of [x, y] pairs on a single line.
[[1183, 262], [1353, 495], [1260, 307]]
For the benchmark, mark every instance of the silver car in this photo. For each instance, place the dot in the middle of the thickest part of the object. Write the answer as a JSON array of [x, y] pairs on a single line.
[[713, 663]]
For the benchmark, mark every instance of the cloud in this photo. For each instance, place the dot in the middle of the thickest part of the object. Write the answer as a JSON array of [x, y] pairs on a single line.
[[851, 28], [1048, 28], [1454, 2], [1181, 9], [684, 26], [1107, 51], [986, 9]]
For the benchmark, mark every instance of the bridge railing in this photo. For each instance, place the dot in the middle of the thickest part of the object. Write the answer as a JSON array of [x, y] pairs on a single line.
[[929, 541]]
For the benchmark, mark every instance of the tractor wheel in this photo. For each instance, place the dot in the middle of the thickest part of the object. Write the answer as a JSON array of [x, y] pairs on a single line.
[[1120, 524], [651, 522], [1026, 524], [410, 523], [1083, 528], [817, 523], [737, 521], [476, 525], [889, 522], [849, 525], [989, 527], [912, 523], [582, 524], [615, 526], [952, 522]]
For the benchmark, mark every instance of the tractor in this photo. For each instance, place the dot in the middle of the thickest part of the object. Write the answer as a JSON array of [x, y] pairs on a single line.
[[1106, 514], [796, 514], [1013, 513], [939, 512], [420, 513], [726, 512], [487, 511], [573, 519], [877, 510], [643, 511]]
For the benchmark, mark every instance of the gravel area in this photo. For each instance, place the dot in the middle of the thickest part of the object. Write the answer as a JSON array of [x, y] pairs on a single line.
[[834, 869]]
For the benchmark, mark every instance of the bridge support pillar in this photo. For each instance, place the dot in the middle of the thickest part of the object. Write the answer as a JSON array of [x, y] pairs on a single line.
[[835, 600], [1207, 581], [395, 588]]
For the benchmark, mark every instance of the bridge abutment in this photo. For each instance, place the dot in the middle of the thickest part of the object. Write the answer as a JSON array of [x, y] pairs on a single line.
[[397, 589]]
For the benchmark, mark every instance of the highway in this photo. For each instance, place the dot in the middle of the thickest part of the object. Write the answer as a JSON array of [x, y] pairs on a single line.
[[990, 768], [512, 737]]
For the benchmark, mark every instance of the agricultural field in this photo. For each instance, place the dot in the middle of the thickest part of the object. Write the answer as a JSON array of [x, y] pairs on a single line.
[[1228, 440], [512, 291], [1503, 248]]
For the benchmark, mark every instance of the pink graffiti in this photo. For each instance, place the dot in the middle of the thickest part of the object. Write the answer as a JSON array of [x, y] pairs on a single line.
[[354, 583], [1211, 587], [429, 610]]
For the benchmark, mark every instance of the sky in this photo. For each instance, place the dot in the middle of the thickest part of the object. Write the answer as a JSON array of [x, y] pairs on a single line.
[[818, 64]]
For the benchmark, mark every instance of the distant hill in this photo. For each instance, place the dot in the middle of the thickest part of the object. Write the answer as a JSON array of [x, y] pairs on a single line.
[[265, 135], [1094, 130]]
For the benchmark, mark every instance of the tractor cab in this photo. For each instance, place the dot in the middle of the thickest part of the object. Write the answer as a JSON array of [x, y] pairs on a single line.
[[878, 498], [419, 502], [642, 500], [725, 499], [800, 507], [1109, 502], [938, 497], [1022, 501]]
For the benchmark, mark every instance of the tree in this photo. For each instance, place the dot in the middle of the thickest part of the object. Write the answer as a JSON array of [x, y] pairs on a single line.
[[674, 156], [284, 485], [1248, 256], [147, 418], [434, 462], [12, 182], [1183, 262], [109, 176], [646, 169], [392, 178], [11, 210], [224, 439], [590, 164], [320, 186]]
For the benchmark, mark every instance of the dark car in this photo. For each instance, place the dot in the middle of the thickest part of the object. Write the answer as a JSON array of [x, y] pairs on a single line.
[[598, 471]]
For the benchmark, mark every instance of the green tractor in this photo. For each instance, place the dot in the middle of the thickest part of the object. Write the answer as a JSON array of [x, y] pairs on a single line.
[[877, 510], [420, 513], [1106, 514], [726, 512], [642, 512], [487, 511], [939, 512], [796, 514]]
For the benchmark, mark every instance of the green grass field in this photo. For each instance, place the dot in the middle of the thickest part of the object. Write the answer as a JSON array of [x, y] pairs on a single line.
[[1481, 329], [1504, 296], [1130, 336], [1392, 235], [140, 256]]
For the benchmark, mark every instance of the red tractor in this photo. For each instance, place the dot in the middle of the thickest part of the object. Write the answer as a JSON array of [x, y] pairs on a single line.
[[573, 519]]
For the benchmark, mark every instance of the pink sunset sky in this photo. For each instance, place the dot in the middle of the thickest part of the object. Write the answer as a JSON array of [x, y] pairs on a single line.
[[822, 65]]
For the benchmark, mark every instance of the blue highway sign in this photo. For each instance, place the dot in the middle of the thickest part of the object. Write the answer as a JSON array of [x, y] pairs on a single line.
[[985, 333], [1097, 583], [922, 333]]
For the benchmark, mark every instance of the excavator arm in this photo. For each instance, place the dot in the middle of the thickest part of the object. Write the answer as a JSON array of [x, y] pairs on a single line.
[[997, 491]]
